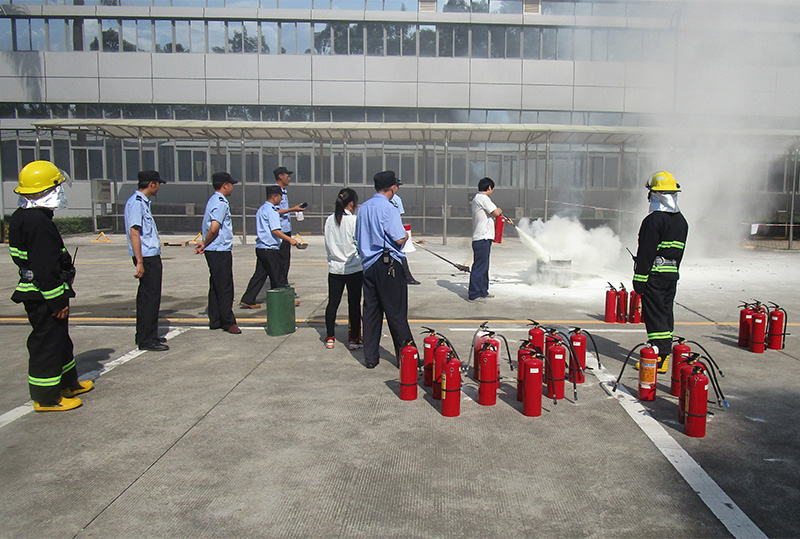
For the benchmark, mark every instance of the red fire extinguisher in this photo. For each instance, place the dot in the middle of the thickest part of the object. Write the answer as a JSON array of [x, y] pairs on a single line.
[[523, 354], [635, 312], [578, 341], [532, 386], [555, 375], [622, 304], [745, 324], [409, 357], [483, 338], [696, 405], [778, 322], [685, 371], [487, 390], [648, 365], [499, 222], [758, 331], [451, 386], [536, 336], [429, 345], [680, 353], [611, 304], [439, 357]]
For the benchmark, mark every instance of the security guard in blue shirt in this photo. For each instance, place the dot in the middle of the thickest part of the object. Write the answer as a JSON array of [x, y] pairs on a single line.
[[144, 245], [217, 245], [282, 178], [380, 237], [269, 238]]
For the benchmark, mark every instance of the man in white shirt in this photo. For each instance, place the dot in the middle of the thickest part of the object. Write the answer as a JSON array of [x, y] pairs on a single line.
[[484, 213]]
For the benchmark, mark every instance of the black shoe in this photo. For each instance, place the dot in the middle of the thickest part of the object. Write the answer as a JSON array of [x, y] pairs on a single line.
[[162, 340], [414, 281], [154, 347], [372, 365]]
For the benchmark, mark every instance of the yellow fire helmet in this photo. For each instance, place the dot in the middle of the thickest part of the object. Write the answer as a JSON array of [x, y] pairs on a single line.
[[663, 181], [38, 176]]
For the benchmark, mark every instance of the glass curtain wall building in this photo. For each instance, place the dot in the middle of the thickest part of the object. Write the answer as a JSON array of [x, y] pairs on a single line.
[[674, 67]]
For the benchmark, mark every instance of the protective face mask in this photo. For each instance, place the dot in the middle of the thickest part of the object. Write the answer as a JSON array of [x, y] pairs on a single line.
[[667, 202], [54, 200]]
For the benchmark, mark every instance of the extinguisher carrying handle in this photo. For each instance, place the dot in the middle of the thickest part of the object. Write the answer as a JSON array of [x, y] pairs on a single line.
[[428, 330], [450, 345], [611, 286], [634, 349]]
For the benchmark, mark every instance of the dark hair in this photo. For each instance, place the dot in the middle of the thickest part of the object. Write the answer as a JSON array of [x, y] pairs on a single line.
[[345, 197], [485, 184]]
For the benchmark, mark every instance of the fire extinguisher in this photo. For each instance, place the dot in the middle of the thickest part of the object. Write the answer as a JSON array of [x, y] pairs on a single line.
[[758, 331], [622, 304], [687, 368], [680, 353], [745, 323], [532, 386], [451, 386], [409, 356], [635, 311], [648, 366], [523, 354], [439, 357], [555, 374], [611, 304], [696, 406], [485, 337], [487, 390], [499, 222], [536, 336], [429, 345], [578, 342], [778, 321]]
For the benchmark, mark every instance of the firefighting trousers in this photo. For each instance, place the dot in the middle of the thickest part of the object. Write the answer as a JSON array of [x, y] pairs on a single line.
[[220, 289], [148, 300], [657, 303], [385, 293], [51, 365]]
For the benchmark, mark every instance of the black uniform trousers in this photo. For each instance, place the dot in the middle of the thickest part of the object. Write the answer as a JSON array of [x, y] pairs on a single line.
[[336, 286], [385, 293], [657, 304], [220, 289], [51, 366], [286, 258], [148, 300], [269, 263]]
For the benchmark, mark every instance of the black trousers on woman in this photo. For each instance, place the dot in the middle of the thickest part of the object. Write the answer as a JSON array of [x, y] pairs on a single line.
[[336, 286]]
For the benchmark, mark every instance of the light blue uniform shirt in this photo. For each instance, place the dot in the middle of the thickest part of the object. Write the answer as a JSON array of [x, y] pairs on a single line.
[[137, 213], [378, 226], [267, 220], [218, 209], [286, 220], [397, 202]]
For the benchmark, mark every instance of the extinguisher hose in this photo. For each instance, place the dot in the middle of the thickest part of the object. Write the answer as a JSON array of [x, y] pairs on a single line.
[[450, 345], [548, 368], [596, 352], [708, 356], [508, 350], [715, 384], [573, 360], [634, 349]]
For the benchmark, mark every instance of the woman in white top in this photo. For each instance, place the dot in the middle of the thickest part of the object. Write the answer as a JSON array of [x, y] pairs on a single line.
[[344, 268]]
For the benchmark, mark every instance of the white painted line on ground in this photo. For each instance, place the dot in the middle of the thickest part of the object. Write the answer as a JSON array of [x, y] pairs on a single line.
[[495, 328], [20, 411], [723, 507]]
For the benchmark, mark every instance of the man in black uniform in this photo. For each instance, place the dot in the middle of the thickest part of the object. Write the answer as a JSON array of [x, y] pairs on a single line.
[[662, 238], [45, 287]]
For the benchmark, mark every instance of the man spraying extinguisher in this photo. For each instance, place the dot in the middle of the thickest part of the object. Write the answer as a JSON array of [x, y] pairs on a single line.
[[662, 238]]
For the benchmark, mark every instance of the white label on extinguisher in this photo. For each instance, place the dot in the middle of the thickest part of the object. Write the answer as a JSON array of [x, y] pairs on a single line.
[[576, 343], [773, 317], [758, 321], [559, 356], [428, 345], [534, 371]]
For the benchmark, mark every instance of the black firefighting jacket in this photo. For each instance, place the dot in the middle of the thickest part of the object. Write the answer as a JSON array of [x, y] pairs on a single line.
[[662, 238], [45, 266]]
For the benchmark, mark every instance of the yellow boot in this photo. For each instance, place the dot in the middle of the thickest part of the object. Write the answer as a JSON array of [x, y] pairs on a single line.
[[85, 386], [63, 405], [663, 366]]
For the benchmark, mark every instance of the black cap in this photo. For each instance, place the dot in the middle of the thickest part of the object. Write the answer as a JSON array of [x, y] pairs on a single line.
[[274, 190], [147, 176], [282, 170], [219, 178], [386, 179]]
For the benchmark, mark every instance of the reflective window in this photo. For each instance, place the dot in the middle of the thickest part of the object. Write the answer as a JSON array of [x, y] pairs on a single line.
[[461, 40], [216, 37], [480, 41], [409, 40], [294, 4], [582, 43], [564, 44], [375, 39], [513, 41], [303, 38], [198, 36], [110, 30], [355, 5], [599, 45], [400, 5], [322, 38], [91, 31], [497, 41], [163, 35], [445, 40], [616, 46], [339, 36], [22, 32], [38, 35], [530, 43], [144, 35], [356, 38], [427, 40], [505, 6], [374, 5], [269, 38], [480, 6], [394, 39], [129, 35], [458, 6], [548, 43], [288, 37]]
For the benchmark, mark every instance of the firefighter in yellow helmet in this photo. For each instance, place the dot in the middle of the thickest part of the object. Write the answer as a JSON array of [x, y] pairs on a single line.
[[46, 273], [662, 238]]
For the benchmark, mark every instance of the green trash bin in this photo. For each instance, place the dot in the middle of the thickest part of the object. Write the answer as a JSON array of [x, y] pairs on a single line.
[[280, 311]]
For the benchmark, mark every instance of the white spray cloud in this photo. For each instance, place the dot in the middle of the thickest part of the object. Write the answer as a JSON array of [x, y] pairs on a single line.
[[566, 239]]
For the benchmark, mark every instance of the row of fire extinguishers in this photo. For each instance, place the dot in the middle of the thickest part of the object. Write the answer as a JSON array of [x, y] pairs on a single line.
[[547, 356], [761, 327], [691, 375], [622, 307]]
